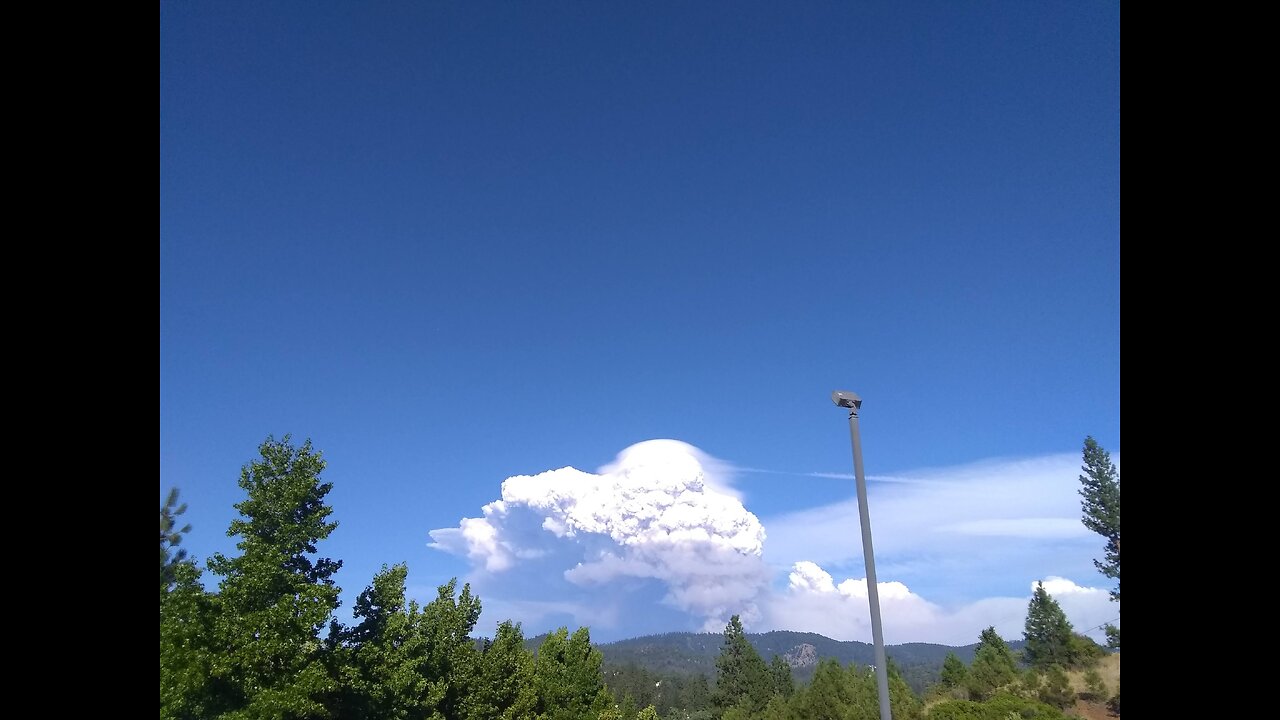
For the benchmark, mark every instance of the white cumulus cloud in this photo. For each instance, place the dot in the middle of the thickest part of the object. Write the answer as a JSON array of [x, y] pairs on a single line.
[[814, 602], [658, 540], [655, 513]]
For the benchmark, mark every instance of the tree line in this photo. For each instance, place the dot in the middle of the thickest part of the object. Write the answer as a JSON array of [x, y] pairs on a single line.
[[257, 647]]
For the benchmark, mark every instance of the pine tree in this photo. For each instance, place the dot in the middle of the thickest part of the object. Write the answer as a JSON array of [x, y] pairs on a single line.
[[993, 666], [742, 678], [275, 596], [185, 625], [1100, 493], [1048, 632], [780, 674], [954, 672], [831, 693], [170, 537], [903, 702]]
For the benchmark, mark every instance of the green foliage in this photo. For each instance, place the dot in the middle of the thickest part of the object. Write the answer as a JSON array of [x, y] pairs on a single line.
[[833, 692], [504, 687], [170, 537], [1095, 685], [780, 675], [186, 650], [1084, 651], [275, 597], [993, 666], [1000, 707], [957, 710], [1056, 690], [742, 678], [838, 692], [567, 677], [381, 659], [1100, 504], [185, 617], [451, 654], [685, 654], [904, 704], [1029, 683], [1048, 633], [697, 694], [954, 673], [1050, 639]]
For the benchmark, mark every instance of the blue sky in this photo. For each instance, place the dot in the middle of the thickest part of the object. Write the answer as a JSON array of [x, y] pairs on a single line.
[[459, 243]]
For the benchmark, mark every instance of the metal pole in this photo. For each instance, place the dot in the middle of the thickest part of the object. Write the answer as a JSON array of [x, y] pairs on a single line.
[[873, 592]]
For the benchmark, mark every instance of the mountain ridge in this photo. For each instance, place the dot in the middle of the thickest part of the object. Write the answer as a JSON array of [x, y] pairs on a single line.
[[688, 653]]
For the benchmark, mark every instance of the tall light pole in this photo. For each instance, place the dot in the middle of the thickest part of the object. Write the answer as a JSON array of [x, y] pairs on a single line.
[[853, 402]]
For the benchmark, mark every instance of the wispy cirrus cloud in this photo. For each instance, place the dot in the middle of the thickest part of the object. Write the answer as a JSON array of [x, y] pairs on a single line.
[[954, 534]]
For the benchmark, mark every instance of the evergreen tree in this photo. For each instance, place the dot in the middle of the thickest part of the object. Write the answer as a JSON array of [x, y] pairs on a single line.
[[780, 674], [696, 694], [832, 693], [954, 672], [742, 678], [275, 596], [1048, 632], [1100, 493], [170, 537], [993, 666], [903, 702], [1056, 690]]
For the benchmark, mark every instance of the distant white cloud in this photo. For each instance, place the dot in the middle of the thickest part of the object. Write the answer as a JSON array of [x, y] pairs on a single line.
[[955, 535], [661, 511], [814, 602]]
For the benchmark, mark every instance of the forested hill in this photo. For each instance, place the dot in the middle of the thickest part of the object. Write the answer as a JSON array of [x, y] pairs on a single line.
[[685, 653]]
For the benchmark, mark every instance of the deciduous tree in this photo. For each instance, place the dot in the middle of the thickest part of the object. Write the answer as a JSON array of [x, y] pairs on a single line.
[[277, 594]]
